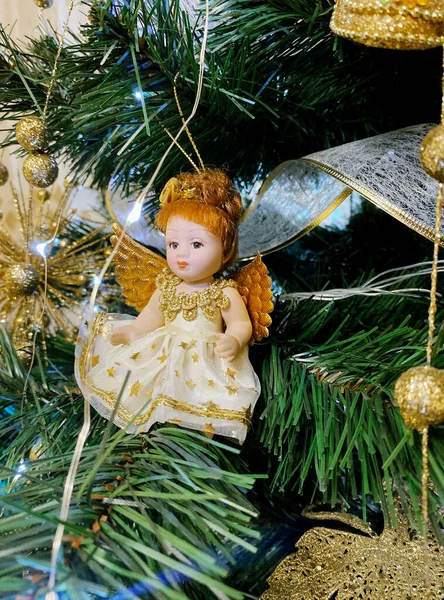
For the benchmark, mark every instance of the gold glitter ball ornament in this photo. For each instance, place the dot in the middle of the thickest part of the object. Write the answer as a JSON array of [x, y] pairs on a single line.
[[419, 394], [401, 24], [431, 153], [44, 3], [31, 133], [21, 279], [4, 174], [40, 169]]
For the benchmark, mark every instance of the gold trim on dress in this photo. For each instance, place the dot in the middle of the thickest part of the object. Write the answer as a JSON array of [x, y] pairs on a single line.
[[110, 398], [209, 300]]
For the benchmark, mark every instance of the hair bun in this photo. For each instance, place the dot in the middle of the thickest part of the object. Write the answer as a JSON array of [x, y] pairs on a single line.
[[214, 187], [171, 192]]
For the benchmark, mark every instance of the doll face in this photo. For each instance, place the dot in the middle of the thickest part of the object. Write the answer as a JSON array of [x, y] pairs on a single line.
[[193, 253]]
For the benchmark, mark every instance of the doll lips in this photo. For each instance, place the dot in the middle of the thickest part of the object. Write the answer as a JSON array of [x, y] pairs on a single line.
[[182, 264]]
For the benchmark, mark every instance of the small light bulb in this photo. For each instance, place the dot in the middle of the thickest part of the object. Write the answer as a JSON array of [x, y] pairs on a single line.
[[135, 213], [41, 248]]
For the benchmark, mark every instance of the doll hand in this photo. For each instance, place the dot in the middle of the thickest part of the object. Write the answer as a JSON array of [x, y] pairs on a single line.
[[122, 335], [227, 346]]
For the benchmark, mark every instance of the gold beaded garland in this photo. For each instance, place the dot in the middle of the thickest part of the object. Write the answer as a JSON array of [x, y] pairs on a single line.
[[401, 25], [21, 279], [4, 174], [431, 153], [419, 394], [31, 133], [40, 169]]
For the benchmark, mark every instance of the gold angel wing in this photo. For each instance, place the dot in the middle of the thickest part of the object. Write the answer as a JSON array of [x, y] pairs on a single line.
[[136, 269], [254, 286]]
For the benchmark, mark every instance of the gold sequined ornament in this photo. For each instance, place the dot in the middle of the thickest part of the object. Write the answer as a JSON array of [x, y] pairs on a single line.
[[330, 563], [72, 259], [412, 3], [401, 25], [419, 394], [21, 279], [432, 153], [31, 133], [4, 174], [40, 169], [44, 3]]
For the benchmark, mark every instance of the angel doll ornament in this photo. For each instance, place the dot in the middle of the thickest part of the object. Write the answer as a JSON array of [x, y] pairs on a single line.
[[187, 351]]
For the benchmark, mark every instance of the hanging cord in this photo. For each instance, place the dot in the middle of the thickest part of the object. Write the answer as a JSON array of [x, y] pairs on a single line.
[[190, 137], [56, 60], [431, 319]]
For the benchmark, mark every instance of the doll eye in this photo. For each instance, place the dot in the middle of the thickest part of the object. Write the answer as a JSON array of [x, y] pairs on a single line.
[[173, 245], [197, 245]]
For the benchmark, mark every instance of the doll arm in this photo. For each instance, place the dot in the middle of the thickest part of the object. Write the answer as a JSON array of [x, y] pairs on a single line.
[[239, 329], [150, 318]]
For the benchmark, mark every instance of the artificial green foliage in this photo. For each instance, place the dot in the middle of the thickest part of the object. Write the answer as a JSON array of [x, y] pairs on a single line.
[[328, 419], [172, 514], [277, 85], [180, 511], [325, 430]]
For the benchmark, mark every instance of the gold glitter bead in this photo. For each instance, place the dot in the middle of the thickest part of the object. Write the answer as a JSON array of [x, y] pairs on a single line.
[[4, 174], [401, 25], [419, 394], [22, 279], [44, 3], [40, 169], [43, 196], [432, 153], [31, 133]]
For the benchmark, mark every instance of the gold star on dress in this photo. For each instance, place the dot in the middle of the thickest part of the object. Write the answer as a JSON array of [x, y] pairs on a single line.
[[210, 405], [95, 360], [135, 355], [211, 382], [183, 345], [111, 371], [73, 258], [163, 357], [232, 389], [230, 373], [195, 357], [135, 388], [153, 346], [190, 384], [177, 373]]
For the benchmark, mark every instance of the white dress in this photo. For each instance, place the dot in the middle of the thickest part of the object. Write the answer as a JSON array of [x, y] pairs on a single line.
[[175, 373]]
